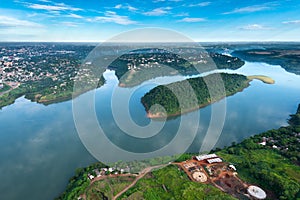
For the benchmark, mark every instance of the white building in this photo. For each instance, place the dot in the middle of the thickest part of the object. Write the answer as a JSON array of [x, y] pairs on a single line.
[[206, 156], [214, 160]]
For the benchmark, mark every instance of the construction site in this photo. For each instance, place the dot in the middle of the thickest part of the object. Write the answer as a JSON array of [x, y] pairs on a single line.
[[210, 169]]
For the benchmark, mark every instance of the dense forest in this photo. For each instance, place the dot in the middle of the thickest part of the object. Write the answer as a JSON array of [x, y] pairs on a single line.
[[176, 98]]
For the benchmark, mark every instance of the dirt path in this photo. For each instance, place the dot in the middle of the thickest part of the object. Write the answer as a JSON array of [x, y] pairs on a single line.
[[138, 177], [141, 175], [83, 196]]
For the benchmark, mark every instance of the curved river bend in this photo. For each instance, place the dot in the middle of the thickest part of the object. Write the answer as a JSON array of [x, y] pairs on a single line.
[[40, 148]]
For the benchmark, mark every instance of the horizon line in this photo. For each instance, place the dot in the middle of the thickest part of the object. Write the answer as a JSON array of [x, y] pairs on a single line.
[[221, 41]]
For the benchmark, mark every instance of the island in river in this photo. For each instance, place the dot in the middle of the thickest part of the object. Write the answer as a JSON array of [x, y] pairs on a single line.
[[177, 98]]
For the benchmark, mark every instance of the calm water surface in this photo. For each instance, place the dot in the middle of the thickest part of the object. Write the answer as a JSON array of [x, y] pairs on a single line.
[[40, 148]]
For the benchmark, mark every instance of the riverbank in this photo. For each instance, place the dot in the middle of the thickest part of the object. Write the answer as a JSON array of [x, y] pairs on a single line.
[[46, 95]]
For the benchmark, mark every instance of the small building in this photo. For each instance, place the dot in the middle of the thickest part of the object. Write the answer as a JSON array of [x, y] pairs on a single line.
[[214, 160], [97, 172], [263, 143], [91, 177], [232, 167], [110, 169], [206, 156]]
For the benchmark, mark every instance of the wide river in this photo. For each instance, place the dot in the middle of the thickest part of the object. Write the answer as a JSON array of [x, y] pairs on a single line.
[[40, 146]]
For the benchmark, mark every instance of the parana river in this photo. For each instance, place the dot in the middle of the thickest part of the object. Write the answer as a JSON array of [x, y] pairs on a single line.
[[40, 147]]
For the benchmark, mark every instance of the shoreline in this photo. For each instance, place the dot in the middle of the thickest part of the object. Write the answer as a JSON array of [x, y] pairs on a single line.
[[264, 79]]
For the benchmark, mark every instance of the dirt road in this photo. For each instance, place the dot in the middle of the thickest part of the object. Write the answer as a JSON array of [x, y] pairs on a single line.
[[141, 175]]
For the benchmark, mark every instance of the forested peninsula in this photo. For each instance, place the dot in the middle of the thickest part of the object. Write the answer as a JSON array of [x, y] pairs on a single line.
[[167, 96]]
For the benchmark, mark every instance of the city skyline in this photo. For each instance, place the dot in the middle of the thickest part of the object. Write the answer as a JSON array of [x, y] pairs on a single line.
[[202, 21]]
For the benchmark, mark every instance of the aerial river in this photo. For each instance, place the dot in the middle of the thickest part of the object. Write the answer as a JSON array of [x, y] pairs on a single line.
[[41, 149]]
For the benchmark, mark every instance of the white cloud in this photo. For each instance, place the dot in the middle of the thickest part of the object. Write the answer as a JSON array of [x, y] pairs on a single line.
[[254, 27], [184, 14], [128, 7], [32, 14], [113, 17], [292, 22], [202, 4], [158, 11], [74, 16], [249, 9], [158, 1], [190, 19], [55, 7], [13, 22], [118, 6], [70, 24]]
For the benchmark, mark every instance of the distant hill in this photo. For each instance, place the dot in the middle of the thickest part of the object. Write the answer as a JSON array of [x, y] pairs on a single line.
[[288, 58]]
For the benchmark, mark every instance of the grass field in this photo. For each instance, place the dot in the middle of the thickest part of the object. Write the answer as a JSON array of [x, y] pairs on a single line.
[[108, 187]]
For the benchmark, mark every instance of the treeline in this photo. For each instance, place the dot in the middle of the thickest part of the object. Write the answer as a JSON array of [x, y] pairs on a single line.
[[176, 98]]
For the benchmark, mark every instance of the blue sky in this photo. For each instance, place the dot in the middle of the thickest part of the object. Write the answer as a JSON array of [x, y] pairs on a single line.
[[98, 20]]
